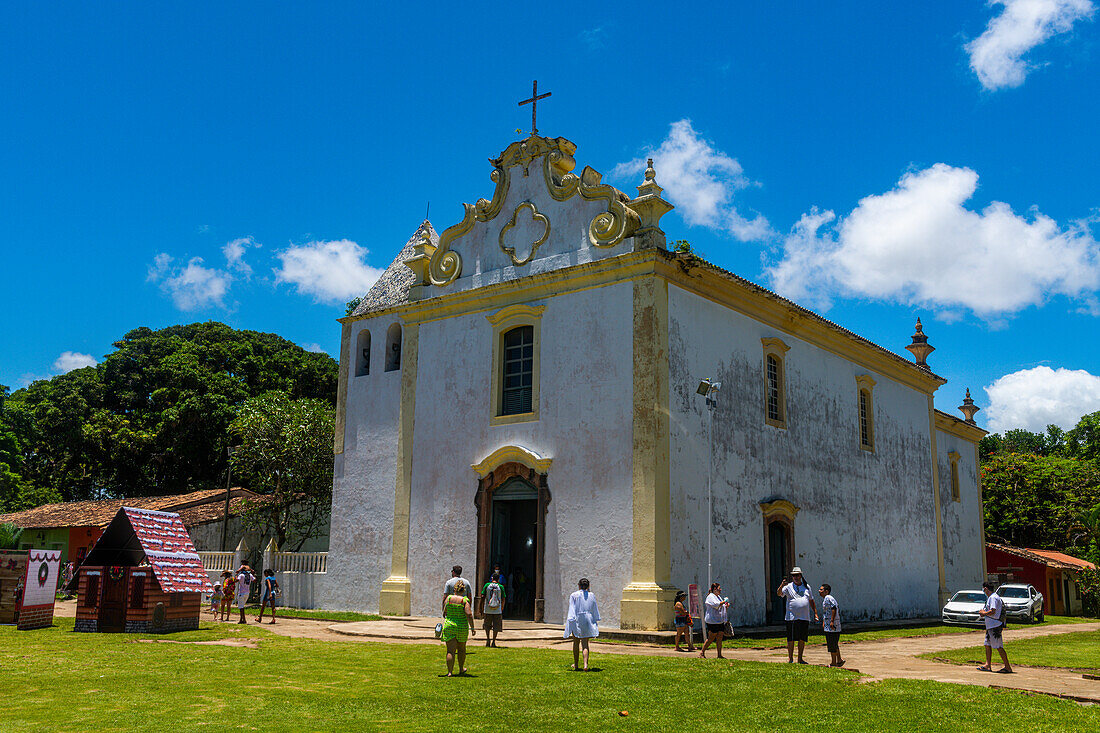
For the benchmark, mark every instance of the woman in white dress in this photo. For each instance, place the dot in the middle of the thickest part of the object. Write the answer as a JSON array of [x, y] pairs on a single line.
[[582, 622]]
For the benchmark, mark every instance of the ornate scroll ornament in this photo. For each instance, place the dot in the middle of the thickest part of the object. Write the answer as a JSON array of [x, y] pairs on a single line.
[[606, 229], [534, 246]]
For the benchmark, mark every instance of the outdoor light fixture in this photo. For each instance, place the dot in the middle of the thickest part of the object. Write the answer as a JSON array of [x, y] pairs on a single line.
[[709, 389]]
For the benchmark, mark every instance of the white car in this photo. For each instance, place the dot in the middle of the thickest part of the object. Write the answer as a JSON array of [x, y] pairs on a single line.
[[963, 608], [1022, 602]]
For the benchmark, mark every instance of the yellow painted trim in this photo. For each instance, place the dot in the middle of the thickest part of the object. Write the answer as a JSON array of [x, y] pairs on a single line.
[[511, 454], [503, 321], [647, 599], [959, 427], [865, 383], [342, 390], [943, 594], [776, 349], [779, 508], [395, 596]]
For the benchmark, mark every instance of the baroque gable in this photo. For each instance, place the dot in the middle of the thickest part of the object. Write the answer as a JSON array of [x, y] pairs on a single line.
[[542, 216]]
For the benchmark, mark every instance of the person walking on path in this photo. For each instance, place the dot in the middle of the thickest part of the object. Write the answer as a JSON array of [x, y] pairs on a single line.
[[492, 609], [244, 585], [830, 623], [456, 575], [714, 618], [994, 613], [458, 623], [582, 622], [800, 602], [269, 595], [684, 622]]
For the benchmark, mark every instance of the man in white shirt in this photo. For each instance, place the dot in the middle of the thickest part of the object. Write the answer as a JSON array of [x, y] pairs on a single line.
[[994, 613], [800, 601]]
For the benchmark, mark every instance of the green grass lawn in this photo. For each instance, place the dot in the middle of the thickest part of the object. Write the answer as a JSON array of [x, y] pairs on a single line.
[[57, 680], [1076, 650]]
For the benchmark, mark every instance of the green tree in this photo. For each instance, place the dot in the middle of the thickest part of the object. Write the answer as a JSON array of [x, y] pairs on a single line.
[[352, 304], [285, 453], [1083, 441], [9, 536]]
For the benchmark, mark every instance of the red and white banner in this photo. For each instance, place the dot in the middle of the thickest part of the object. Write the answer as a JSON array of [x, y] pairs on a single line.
[[695, 606], [39, 589]]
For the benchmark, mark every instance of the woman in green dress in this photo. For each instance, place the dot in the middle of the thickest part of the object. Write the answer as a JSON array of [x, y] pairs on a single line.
[[458, 622]]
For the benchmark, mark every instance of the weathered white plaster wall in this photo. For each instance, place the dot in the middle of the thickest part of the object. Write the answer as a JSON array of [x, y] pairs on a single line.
[[866, 523], [364, 479], [961, 520], [485, 263], [584, 426]]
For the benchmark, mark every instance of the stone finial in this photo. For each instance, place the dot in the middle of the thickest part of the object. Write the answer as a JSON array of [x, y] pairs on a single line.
[[650, 207], [422, 253], [968, 408], [920, 348]]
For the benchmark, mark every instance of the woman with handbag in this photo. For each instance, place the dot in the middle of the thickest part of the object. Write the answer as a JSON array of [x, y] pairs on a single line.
[[458, 623], [684, 622], [269, 595], [716, 619]]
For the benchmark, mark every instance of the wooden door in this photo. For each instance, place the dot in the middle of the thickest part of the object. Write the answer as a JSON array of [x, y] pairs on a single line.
[[112, 610]]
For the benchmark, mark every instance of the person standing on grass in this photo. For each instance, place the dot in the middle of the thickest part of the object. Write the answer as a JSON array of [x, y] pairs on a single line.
[[582, 622], [800, 601], [244, 585], [215, 599], [714, 618], [684, 622], [994, 613], [492, 608], [456, 575], [830, 623], [229, 590], [458, 624], [269, 595]]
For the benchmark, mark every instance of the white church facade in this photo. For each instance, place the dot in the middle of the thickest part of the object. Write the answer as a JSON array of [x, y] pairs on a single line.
[[523, 389]]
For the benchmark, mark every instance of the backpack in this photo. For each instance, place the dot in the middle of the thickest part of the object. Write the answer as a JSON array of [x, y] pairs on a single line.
[[492, 598]]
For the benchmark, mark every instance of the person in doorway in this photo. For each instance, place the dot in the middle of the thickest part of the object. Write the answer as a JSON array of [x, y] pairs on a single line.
[[450, 585], [229, 590], [582, 622], [492, 609], [830, 623], [269, 595], [715, 615], [994, 614], [244, 586], [458, 624], [800, 602], [683, 622]]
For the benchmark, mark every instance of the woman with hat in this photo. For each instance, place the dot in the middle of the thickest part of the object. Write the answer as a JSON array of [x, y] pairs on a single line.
[[800, 602], [683, 621]]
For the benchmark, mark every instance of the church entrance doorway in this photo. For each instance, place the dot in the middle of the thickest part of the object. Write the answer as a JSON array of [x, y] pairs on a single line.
[[513, 546], [778, 551]]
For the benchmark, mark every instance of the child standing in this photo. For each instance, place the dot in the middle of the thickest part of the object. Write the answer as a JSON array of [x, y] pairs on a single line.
[[215, 598], [830, 622]]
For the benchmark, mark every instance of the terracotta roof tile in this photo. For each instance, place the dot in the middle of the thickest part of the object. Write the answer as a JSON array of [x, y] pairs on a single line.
[[197, 507]]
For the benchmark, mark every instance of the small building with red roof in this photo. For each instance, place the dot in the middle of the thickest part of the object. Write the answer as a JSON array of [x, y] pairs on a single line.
[[1054, 574], [143, 574]]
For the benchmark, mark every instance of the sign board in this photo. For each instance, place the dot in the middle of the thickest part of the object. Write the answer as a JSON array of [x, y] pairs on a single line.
[[39, 589], [695, 606]]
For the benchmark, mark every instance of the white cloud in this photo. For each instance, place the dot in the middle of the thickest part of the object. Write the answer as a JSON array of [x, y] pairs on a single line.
[[918, 244], [701, 181], [70, 360], [332, 271], [234, 255], [1034, 398], [160, 266], [996, 56], [314, 348], [593, 37]]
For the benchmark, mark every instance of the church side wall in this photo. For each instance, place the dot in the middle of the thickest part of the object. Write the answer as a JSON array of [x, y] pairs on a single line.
[[364, 476], [866, 521], [584, 426], [961, 520]]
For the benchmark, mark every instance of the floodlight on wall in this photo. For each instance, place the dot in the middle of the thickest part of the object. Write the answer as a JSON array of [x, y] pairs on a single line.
[[709, 389]]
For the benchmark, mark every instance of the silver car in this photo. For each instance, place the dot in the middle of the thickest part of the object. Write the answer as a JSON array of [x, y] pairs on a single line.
[[963, 608], [1022, 602]]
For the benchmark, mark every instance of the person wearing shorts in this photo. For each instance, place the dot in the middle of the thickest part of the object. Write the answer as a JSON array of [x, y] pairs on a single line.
[[492, 608], [800, 602], [994, 613], [715, 615], [830, 624]]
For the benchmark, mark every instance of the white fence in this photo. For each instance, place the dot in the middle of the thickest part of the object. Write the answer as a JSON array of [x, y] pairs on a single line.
[[301, 575], [218, 561], [300, 562]]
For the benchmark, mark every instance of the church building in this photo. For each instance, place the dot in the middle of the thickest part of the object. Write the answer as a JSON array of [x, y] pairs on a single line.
[[527, 389]]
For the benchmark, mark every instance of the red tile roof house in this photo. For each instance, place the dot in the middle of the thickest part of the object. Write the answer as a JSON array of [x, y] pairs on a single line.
[[142, 575], [1054, 574]]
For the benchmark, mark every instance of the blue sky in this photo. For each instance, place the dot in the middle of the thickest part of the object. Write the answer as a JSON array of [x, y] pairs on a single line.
[[256, 164]]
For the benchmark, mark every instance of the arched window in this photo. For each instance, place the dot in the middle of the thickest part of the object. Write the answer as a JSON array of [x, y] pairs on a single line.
[[775, 382], [864, 387], [518, 365], [362, 354], [393, 348]]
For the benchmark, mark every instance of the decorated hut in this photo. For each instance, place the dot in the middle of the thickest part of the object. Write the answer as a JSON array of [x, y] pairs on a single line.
[[142, 575]]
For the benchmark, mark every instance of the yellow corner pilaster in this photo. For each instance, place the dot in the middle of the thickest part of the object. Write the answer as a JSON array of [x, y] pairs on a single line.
[[342, 390], [396, 593], [647, 600]]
